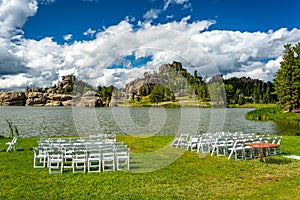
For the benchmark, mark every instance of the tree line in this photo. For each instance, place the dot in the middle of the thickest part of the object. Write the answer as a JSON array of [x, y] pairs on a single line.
[[217, 90], [287, 79], [284, 90]]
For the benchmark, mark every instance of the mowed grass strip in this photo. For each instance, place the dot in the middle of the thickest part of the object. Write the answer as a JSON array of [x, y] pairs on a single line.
[[188, 177]]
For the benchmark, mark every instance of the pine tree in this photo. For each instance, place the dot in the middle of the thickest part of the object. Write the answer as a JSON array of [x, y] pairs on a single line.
[[287, 78]]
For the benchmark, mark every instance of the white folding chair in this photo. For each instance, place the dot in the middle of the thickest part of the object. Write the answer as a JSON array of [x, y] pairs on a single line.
[[40, 157], [12, 144], [68, 156], [183, 141], [79, 161], [237, 150], [94, 161], [55, 162], [122, 158], [248, 150], [276, 150], [221, 147], [108, 159], [193, 143], [204, 145]]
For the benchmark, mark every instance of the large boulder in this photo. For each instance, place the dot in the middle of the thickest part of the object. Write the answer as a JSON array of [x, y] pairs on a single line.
[[36, 99], [12, 98], [54, 97], [67, 103], [147, 82], [54, 103], [90, 99]]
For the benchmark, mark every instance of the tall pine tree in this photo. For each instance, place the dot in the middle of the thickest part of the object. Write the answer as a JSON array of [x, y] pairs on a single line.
[[287, 78]]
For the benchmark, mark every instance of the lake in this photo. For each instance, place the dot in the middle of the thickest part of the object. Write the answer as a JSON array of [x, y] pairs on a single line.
[[78, 121]]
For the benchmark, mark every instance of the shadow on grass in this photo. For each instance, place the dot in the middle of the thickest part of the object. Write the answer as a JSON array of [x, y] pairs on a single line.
[[277, 161], [4, 150], [20, 149]]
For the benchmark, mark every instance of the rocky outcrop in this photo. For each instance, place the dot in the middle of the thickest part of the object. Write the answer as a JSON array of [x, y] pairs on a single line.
[[56, 96], [12, 98], [147, 82], [90, 99], [17, 98], [169, 75]]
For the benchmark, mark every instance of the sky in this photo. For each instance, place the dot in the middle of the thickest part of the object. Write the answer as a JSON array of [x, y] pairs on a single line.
[[112, 42]]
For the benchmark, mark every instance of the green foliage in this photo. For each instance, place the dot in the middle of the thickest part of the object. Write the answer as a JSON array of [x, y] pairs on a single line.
[[253, 91], [287, 78], [241, 100], [81, 87], [264, 114], [189, 177], [161, 93], [180, 79], [217, 91], [105, 93], [14, 132], [143, 91]]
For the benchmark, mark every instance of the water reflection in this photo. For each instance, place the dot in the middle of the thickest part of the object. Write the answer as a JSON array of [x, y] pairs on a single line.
[[68, 121]]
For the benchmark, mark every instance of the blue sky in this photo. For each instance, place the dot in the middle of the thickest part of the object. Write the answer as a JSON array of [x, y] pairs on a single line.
[[112, 42], [75, 17]]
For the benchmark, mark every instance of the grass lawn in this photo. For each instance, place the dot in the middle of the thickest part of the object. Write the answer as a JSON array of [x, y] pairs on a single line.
[[189, 177]]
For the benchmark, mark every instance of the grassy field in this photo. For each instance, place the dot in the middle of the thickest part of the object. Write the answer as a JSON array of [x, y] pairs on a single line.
[[189, 177]]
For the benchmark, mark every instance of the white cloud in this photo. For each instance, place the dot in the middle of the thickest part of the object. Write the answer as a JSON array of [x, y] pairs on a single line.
[[236, 53], [258, 70], [13, 14], [152, 14], [39, 63], [89, 32], [186, 3], [67, 37], [46, 2], [170, 17]]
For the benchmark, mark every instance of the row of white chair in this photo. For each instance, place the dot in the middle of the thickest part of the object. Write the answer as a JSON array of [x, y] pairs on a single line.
[[81, 156], [227, 144], [103, 138]]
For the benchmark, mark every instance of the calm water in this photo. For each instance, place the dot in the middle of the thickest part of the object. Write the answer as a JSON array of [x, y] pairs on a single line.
[[65, 121]]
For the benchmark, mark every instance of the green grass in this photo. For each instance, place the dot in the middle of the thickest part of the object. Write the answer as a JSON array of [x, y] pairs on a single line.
[[289, 123], [189, 177]]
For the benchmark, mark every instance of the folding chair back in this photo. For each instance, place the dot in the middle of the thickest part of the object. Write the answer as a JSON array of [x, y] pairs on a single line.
[[12, 144]]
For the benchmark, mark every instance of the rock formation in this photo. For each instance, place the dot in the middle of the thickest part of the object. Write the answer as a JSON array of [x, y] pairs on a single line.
[[90, 99], [12, 98], [51, 96], [169, 75]]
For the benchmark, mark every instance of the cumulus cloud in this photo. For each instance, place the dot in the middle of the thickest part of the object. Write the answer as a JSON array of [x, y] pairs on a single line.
[[236, 53], [39, 63], [186, 3], [67, 37], [89, 32], [152, 14], [13, 14], [46, 2]]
